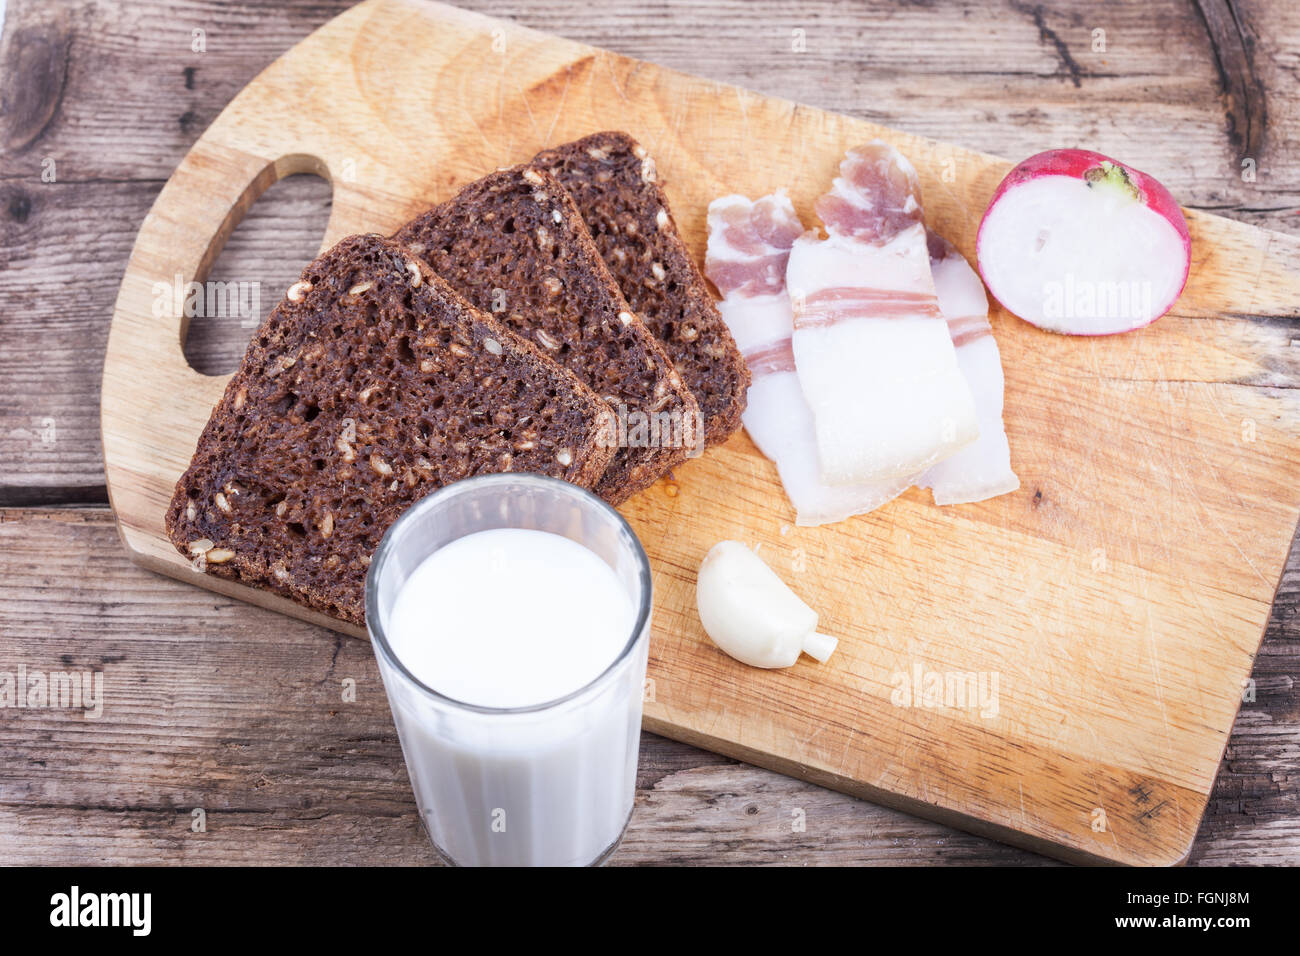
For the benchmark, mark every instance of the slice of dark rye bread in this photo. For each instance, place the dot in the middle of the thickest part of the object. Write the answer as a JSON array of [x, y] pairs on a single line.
[[369, 386], [615, 184], [514, 244]]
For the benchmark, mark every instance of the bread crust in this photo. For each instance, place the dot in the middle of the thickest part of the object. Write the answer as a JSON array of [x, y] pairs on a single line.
[[369, 386], [615, 184], [513, 243]]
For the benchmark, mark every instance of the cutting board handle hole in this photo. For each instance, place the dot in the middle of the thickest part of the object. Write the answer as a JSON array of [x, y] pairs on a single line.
[[280, 230]]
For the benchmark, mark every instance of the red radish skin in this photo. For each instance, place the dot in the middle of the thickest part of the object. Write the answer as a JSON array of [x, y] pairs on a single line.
[[1011, 275]]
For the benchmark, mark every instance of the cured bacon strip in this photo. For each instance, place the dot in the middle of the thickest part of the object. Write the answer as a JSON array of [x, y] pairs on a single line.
[[749, 243], [778, 357], [749, 239], [828, 306], [875, 196], [878, 368], [965, 329], [745, 239], [959, 290], [982, 469], [849, 296]]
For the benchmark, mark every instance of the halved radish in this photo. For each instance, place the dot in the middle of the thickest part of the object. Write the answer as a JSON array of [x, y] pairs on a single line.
[[1076, 242]]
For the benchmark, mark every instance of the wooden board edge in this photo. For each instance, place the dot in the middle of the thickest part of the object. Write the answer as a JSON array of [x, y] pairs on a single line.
[[179, 569], [929, 811]]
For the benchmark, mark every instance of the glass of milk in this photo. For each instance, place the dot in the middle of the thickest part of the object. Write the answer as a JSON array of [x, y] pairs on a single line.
[[510, 615]]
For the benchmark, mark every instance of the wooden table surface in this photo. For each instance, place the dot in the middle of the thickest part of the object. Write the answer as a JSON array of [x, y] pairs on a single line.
[[219, 707]]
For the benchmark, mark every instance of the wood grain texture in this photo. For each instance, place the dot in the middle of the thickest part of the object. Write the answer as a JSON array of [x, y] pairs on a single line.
[[119, 97], [204, 710], [1117, 599]]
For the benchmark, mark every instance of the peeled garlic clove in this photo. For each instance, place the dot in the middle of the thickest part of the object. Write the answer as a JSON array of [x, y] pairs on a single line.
[[750, 613]]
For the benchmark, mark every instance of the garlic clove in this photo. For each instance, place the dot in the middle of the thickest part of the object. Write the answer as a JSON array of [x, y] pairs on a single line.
[[751, 614], [819, 646]]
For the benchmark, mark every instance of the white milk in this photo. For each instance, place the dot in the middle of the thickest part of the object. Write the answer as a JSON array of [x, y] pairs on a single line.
[[510, 618]]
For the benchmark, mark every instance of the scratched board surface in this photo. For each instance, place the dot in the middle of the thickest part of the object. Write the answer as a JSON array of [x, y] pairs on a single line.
[[1104, 616]]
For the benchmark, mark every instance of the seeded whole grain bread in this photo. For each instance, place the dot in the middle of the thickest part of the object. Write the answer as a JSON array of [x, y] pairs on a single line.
[[514, 244], [369, 386], [615, 185]]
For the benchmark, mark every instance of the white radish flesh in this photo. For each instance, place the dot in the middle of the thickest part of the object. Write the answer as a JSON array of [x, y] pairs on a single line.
[[1078, 243]]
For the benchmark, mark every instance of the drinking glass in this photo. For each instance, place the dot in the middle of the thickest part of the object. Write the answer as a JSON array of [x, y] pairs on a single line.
[[547, 785]]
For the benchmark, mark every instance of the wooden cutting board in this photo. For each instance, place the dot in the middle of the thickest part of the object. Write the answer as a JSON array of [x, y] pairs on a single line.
[[1109, 610]]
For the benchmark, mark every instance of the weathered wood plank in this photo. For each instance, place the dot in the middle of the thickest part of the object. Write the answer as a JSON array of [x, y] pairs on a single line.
[[203, 709], [1002, 77], [56, 305], [113, 95], [219, 705], [1093, 713], [1256, 798]]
